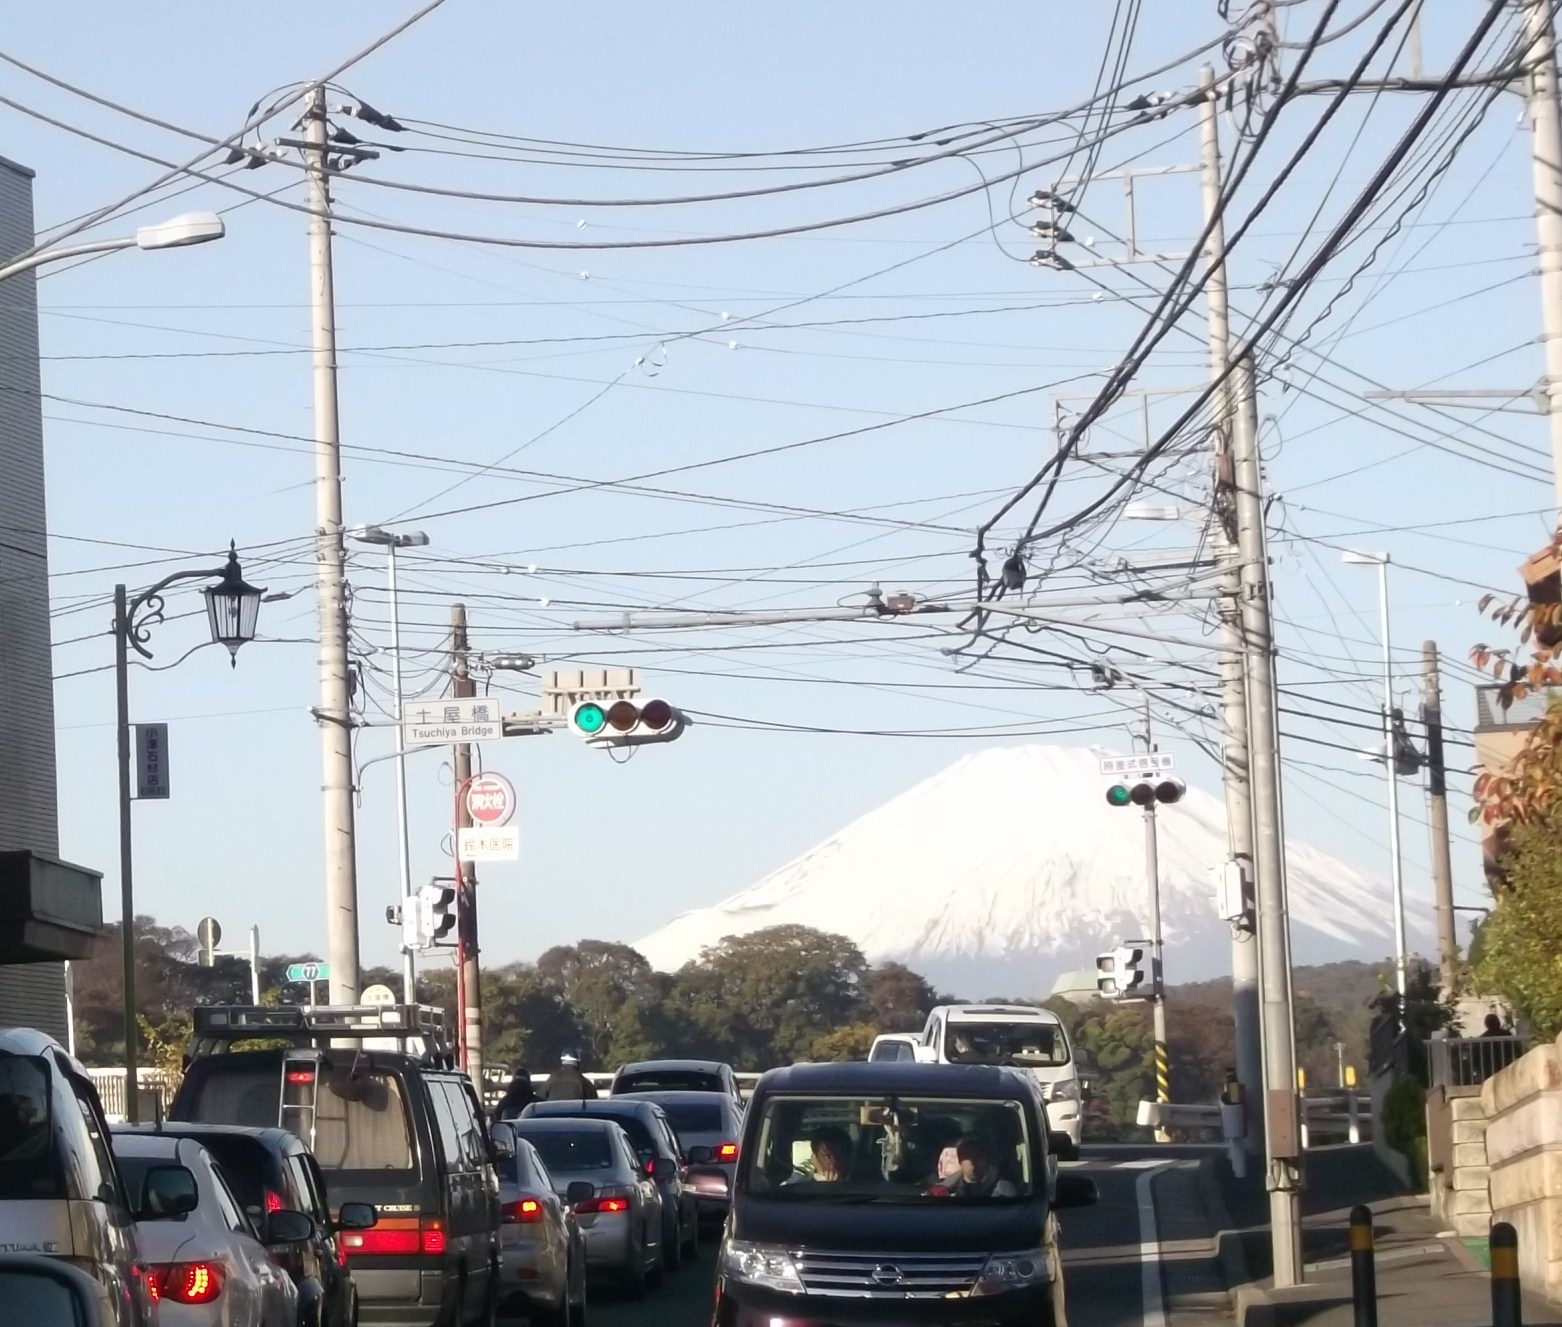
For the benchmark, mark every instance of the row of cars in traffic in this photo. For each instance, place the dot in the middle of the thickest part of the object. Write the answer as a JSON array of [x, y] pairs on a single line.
[[330, 1167]]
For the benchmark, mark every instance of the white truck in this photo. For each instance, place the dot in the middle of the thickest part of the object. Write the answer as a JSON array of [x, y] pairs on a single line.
[[1019, 1036]]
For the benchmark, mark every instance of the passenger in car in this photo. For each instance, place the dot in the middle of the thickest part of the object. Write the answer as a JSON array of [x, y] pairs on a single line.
[[978, 1177], [831, 1149]]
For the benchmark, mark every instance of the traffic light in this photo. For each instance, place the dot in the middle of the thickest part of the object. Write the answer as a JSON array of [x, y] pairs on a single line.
[[1147, 790], [432, 917], [626, 722], [1119, 975]]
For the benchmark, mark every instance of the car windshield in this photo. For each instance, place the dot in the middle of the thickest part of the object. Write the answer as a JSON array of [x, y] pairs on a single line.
[[1028, 1045], [693, 1116], [572, 1150], [669, 1080], [891, 1149]]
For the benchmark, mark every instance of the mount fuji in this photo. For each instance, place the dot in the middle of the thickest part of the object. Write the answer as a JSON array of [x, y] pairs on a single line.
[[1009, 867]]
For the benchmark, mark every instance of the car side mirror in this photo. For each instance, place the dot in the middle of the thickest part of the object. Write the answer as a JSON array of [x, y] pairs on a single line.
[[357, 1216], [925, 1054], [1062, 1146], [167, 1191], [502, 1142], [288, 1227], [701, 1156], [1075, 1190], [580, 1191]]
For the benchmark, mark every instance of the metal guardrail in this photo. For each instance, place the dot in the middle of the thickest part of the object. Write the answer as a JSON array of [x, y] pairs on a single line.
[[1469, 1061]]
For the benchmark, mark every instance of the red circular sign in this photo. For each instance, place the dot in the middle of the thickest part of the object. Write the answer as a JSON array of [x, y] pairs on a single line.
[[490, 800]]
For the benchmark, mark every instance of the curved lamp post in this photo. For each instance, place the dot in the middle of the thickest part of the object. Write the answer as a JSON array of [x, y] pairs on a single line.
[[176, 233], [232, 607]]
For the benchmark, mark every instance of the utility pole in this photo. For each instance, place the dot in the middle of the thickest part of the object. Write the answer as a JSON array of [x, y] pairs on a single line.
[[1152, 870], [1282, 1138], [1233, 680], [1437, 799], [334, 714], [468, 975], [1545, 121]]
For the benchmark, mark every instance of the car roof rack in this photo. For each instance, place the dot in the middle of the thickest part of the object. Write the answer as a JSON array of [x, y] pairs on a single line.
[[411, 1029]]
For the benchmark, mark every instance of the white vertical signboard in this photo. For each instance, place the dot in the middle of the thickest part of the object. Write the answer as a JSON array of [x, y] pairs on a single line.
[[151, 761]]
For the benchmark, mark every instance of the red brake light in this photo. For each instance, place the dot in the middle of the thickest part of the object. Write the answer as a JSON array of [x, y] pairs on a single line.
[[650, 1165], [591, 1205], [380, 1241], [727, 1152], [186, 1282], [523, 1212], [273, 1201], [300, 1075], [433, 1238]]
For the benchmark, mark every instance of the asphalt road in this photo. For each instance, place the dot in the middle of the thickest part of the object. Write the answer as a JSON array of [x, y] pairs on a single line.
[[1105, 1281]]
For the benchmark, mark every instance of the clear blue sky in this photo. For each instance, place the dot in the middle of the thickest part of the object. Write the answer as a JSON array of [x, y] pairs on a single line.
[[612, 850]]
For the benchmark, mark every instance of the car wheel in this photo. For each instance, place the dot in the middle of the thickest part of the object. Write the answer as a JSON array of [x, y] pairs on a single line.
[[672, 1250], [656, 1274], [489, 1317], [576, 1297], [691, 1239], [634, 1274]]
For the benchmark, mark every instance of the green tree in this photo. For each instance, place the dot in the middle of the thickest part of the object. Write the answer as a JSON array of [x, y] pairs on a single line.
[[1519, 951], [844, 1043], [897, 999]]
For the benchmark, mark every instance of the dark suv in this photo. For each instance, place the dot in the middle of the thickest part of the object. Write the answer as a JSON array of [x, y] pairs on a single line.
[[661, 1154], [896, 1195], [398, 1128], [271, 1170]]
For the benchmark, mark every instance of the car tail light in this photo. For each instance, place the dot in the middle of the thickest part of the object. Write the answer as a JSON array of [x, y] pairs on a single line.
[[380, 1241], [273, 1201], [591, 1205], [523, 1211], [727, 1152], [185, 1282], [301, 1077], [650, 1165], [433, 1237]]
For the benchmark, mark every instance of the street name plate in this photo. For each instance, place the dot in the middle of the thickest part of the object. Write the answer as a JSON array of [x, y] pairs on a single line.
[[489, 845], [464, 719], [1150, 762]]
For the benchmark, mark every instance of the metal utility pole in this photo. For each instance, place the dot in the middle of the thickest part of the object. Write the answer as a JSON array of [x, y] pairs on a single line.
[[1233, 680], [468, 974], [127, 889], [1545, 122], [334, 714], [1437, 799], [1282, 1135]]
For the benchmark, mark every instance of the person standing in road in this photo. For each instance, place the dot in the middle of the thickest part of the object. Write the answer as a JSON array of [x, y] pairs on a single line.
[[567, 1083], [518, 1096]]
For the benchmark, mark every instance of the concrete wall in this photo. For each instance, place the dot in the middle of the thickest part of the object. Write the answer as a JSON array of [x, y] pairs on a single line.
[[33, 995], [1461, 1188], [1523, 1141]]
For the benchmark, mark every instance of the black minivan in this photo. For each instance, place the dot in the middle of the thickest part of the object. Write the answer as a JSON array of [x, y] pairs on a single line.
[[374, 1093], [959, 1169]]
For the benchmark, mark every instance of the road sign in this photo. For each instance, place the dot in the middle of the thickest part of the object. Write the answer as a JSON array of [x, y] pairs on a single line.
[[454, 719], [562, 690], [489, 845], [309, 972], [151, 761], [209, 932], [1149, 762], [490, 801], [377, 995]]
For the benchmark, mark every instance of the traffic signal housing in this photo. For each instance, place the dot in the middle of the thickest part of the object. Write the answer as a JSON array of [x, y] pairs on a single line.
[[1120, 975], [1148, 790], [626, 722], [432, 916]]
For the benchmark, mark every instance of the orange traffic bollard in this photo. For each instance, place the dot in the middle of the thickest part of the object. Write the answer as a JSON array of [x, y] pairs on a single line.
[[1363, 1268], [1506, 1310]]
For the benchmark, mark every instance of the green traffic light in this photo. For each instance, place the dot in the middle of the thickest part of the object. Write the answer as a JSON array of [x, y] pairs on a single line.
[[590, 719], [1118, 795]]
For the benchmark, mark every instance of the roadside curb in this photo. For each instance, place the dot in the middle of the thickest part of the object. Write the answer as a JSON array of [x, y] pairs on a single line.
[[1229, 1252]]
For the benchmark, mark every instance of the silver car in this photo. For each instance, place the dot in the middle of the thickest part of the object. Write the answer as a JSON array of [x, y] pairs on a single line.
[[708, 1125], [542, 1253], [621, 1217]]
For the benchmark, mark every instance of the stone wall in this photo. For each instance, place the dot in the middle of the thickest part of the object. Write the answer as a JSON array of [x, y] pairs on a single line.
[[1523, 1144], [1460, 1182]]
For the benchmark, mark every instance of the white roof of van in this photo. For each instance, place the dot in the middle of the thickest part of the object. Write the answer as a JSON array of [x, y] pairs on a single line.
[[956, 1013]]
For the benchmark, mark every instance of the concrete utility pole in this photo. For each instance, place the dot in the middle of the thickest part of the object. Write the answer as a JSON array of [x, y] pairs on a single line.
[[468, 974], [1437, 800], [1233, 680], [1152, 870], [1545, 122], [1282, 1136], [334, 714]]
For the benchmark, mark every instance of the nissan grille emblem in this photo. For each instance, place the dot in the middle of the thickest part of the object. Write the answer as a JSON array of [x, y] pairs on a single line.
[[886, 1274]]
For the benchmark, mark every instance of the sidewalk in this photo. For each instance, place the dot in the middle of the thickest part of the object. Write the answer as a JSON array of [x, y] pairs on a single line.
[[1424, 1278]]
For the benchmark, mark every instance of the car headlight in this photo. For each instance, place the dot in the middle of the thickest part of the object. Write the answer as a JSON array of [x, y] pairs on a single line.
[[760, 1265], [1066, 1090], [1013, 1271]]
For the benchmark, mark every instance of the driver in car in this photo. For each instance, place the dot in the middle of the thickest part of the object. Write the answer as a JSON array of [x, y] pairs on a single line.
[[978, 1177], [831, 1149]]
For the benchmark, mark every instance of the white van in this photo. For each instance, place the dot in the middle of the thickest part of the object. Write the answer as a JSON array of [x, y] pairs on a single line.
[[1017, 1035]]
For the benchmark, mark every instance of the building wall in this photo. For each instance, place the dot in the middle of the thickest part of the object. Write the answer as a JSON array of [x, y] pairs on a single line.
[[33, 995]]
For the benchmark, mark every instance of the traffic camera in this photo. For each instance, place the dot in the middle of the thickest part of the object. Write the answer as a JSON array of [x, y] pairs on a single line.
[[1120, 974], [626, 722], [1147, 791]]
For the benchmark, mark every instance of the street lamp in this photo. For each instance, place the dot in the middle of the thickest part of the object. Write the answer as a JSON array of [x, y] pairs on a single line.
[[232, 607], [1381, 561], [390, 542], [176, 233]]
